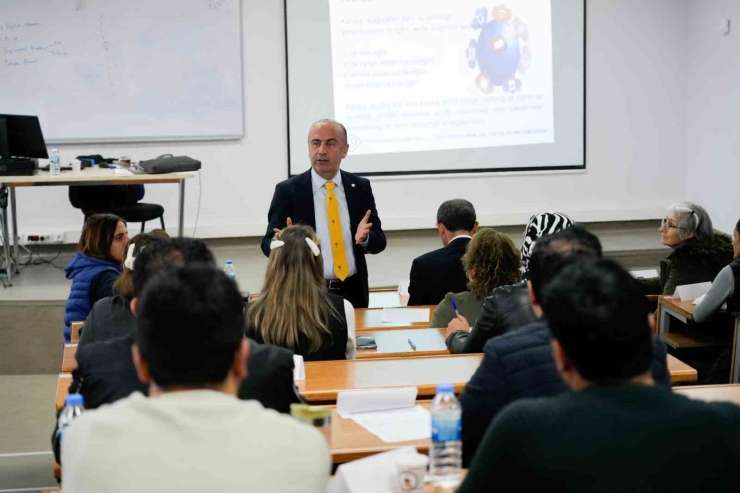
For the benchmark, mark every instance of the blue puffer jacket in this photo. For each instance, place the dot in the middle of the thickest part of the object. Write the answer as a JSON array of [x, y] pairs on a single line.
[[82, 269], [516, 365]]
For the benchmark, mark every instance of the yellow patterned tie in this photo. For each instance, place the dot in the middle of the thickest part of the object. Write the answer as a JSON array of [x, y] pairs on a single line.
[[335, 233]]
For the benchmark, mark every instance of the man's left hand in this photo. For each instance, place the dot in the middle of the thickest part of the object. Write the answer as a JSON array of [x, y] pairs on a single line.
[[363, 229]]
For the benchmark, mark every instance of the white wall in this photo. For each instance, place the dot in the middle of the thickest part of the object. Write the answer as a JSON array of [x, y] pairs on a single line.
[[636, 72], [713, 111]]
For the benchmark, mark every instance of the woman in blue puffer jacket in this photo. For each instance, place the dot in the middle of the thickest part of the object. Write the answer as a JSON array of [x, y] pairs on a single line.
[[96, 266]]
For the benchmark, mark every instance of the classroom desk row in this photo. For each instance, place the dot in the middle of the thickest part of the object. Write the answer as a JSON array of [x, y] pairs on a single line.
[[325, 379]]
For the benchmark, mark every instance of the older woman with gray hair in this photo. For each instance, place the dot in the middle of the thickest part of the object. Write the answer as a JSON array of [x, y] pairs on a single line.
[[699, 252]]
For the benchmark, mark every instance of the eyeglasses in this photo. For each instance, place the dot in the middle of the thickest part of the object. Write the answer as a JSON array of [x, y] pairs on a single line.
[[665, 224]]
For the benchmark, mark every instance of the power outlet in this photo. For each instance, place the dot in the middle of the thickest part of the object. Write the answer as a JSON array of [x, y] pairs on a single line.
[[42, 238]]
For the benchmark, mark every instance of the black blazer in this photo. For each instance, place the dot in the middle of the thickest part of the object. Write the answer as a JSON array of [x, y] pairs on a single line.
[[437, 273], [293, 198], [105, 373]]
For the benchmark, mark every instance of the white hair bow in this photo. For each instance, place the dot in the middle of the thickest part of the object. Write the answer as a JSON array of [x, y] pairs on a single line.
[[276, 244]]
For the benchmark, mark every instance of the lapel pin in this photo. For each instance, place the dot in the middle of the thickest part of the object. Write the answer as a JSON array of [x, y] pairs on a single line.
[[353, 185]]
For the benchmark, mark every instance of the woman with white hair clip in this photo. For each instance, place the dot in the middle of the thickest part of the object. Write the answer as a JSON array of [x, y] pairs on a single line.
[[295, 310], [699, 252]]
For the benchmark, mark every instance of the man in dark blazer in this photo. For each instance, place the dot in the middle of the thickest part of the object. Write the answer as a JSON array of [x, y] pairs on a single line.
[[437, 273], [303, 199]]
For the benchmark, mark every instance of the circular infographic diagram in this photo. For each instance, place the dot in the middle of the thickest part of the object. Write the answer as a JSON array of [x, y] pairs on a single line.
[[500, 52]]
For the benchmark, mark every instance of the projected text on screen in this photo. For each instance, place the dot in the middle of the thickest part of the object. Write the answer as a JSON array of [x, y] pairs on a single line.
[[439, 75]]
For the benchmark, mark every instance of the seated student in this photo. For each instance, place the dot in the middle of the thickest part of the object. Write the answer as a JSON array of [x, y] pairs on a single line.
[[96, 266], [615, 430], [441, 271], [507, 308], [105, 371], [191, 434], [698, 251], [724, 289], [519, 363], [111, 316], [491, 260], [295, 310]]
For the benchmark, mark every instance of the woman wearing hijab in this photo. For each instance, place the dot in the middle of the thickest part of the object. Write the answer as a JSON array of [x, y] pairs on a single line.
[[508, 307]]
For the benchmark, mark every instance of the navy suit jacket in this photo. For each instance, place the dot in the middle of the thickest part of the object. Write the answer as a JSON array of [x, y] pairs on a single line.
[[293, 198], [437, 273]]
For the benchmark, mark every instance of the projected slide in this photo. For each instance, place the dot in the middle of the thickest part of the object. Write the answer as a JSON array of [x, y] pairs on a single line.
[[442, 74]]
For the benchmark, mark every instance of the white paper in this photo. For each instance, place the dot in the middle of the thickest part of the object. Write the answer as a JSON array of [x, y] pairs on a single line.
[[398, 425], [405, 315], [689, 292], [647, 274], [299, 370], [362, 401], [375, 474], [121, 171]]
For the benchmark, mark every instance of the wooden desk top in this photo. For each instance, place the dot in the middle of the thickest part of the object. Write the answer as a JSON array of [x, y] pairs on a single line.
[[684, 308], [325, 379], [395, 343], [350, 441], [74, 331], [680, 371], [63, 382], [370, 319], [69, 362], [712, 393], [93, 176]]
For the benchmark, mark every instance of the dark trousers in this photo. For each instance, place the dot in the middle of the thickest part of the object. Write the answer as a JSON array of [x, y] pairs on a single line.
[[351, 289]]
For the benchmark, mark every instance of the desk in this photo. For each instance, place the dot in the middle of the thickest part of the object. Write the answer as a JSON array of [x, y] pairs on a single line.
[[395, 343], [69, 362], [87, 176], [712, 393], [63, 382], [680, 371], [370, 319], [325, 379], [350, 441], [684, 311]]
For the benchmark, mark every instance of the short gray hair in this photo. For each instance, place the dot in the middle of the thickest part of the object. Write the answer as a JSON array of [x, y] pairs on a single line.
[[457, 215], [328, 121], [691, 218]]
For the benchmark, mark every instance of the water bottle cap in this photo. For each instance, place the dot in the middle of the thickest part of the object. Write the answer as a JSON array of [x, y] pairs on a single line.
[[445, 388], [229, 262], [54, 147], [74, 400]]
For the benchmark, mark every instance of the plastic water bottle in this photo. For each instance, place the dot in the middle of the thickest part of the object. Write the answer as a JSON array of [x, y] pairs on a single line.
[[74, 405], [230, 270], [445, 465], [55, 168]]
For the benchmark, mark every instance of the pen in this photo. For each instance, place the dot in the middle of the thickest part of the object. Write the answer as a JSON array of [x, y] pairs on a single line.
[[412, 345], [454, 307]]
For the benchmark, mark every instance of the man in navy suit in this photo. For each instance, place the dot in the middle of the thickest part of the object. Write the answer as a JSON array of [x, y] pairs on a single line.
[[437, 273], [303, 199]]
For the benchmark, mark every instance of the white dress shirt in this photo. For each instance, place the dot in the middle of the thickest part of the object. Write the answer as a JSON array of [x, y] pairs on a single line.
[[322, 223], [460, 236]]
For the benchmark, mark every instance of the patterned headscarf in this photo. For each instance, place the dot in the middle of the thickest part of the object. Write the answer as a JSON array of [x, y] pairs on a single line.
[[539, 225]]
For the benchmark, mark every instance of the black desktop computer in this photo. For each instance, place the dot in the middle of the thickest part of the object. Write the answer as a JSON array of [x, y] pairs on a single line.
[[21, 145]]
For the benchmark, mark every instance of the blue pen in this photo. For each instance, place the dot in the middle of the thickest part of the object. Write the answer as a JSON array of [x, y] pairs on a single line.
[[454, 307], [412, 344]]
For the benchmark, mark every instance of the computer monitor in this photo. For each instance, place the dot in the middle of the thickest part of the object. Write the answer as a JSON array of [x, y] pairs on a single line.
[[21, 136]]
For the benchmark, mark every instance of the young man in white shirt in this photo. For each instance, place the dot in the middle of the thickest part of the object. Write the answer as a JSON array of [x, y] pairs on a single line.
[[191, 434]]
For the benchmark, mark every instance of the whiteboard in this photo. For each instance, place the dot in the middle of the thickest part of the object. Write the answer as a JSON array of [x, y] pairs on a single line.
[[124, 70]]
